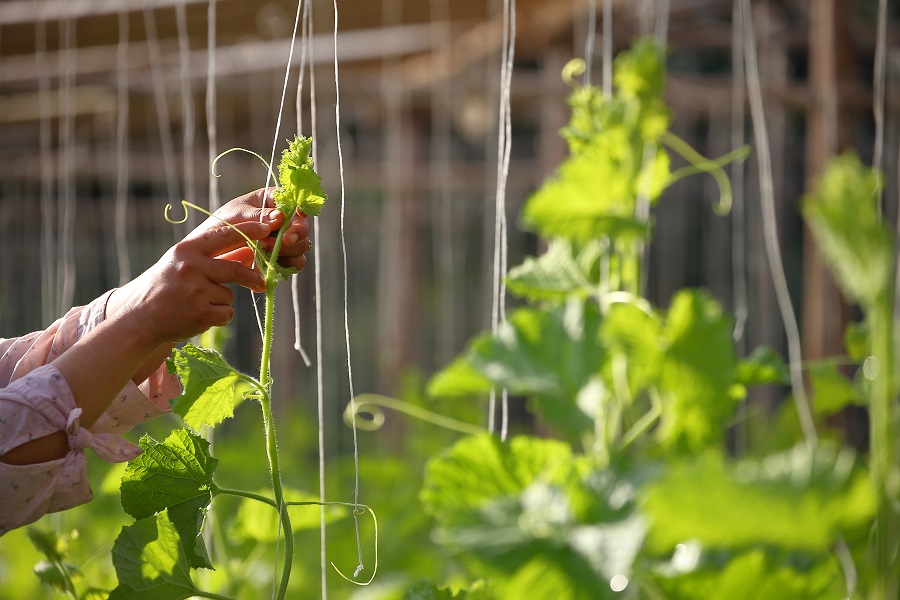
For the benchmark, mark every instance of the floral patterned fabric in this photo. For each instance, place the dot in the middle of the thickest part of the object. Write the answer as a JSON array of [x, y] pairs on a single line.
[[36, 401]]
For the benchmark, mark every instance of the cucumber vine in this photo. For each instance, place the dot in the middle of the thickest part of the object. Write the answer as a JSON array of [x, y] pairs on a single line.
[[169, 487]]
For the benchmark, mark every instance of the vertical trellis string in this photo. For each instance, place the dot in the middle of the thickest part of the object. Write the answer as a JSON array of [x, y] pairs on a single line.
[[287, 75], [66, 190], [298, 104], [504, 146], [337, 124], [738, 222], [211, 101], [122, 113], [162, 104], [770, 228], [607, 47], [187, 102], [309, 29], [589, 41], [49, 298], [879, 78]]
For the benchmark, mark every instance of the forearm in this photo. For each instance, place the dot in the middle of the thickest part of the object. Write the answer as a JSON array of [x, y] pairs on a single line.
[[96, 368]]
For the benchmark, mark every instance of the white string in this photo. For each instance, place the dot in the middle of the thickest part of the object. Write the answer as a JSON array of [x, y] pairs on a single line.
[[770, 228], [337, 119], [122, 152], [607, 47], [211, 102], [49, 301], [187, 104], [66, 247], [287, 75], [298, 105], [879, 78], [504, 146], [309, 28], [162, 104], [589, 41], [738, 225]]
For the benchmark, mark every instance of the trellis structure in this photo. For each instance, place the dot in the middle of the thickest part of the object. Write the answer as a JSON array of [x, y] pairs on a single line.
[[419, 92]]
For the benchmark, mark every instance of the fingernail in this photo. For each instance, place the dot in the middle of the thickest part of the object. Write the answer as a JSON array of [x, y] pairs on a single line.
[[291, 238], [272, 216]]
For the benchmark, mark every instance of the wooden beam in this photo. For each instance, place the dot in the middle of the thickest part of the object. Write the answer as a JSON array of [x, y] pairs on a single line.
[[237, 59], [17, 12]]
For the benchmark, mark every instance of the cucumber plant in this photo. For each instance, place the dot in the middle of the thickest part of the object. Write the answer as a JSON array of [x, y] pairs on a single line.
[[170, 486], [638, 496]]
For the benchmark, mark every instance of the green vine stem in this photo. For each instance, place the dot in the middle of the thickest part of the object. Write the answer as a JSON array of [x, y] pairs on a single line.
[[271, 278], [884, 471], [701, 164]]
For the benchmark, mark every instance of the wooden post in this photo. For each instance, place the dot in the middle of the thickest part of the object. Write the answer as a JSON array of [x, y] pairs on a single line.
[[825, 312]]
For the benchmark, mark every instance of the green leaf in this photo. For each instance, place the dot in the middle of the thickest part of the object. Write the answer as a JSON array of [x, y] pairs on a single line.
[[856, 341], [532, 500], [188, 518], [177, 470], [549, 355], [761, 367], [572, 206], [212, 387], [754, 575], [49, 543], [458, 380], [479, 469], [51, 574], [426, 590], [150, 562], [832, 391], [843, 215], [554, 275], [631, 337], [698, 373], [800, 500], [301, 187], [259, 522], [639, 72]]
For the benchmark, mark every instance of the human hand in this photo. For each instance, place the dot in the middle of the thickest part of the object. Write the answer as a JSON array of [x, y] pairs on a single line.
[[259, 207], [185, 292]]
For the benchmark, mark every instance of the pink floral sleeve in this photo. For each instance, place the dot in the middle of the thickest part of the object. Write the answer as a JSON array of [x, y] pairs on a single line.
[[36, 401]]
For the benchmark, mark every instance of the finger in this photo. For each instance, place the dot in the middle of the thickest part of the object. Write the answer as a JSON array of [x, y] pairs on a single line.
[[219, 295], [226, 238], [226, 271], [242, 255], [295, 262]]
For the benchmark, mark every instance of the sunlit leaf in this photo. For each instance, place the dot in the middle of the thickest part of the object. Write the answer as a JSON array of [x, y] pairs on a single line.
[[548, 355], [633, 344], [554, 275], [755, 574], [150, 562], [697, 373], [212, 387], [301, 187], [640, 72], [49, 543], [761, 367], [857, 244], [831, 390], [573, 206], [168, 473], [530, 502], [458, 380], [798, 500], [426, 590]]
